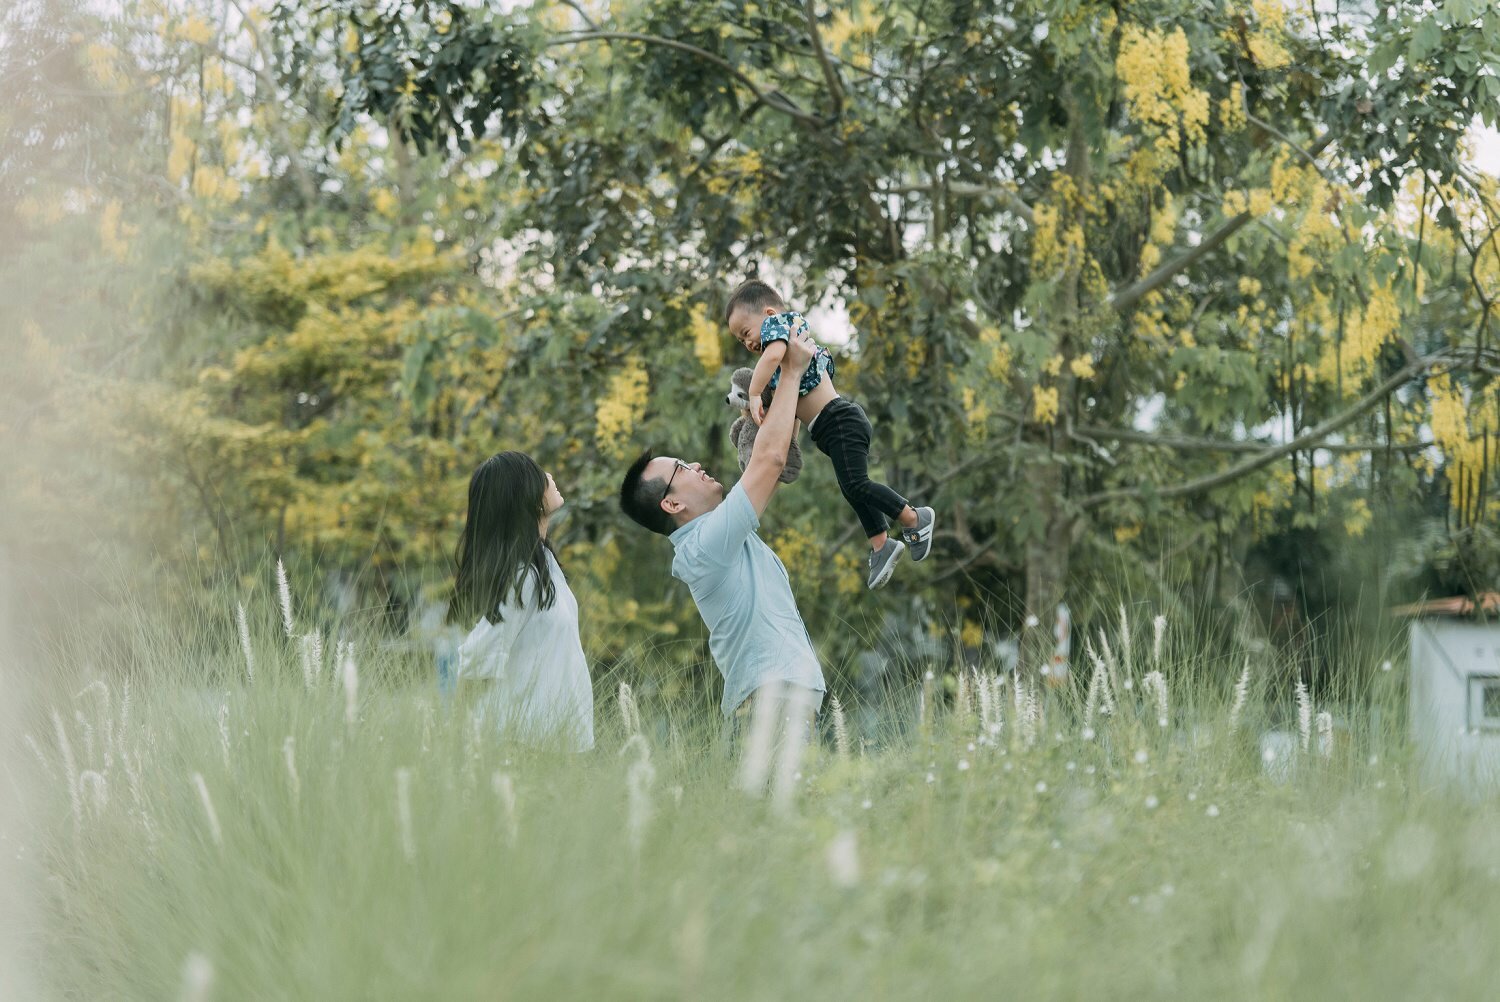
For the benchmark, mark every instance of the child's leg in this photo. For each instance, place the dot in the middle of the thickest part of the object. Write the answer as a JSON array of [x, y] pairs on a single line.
[[846, 440]]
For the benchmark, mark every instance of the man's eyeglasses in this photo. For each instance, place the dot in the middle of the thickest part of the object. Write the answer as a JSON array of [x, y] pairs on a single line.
[[676, 470]]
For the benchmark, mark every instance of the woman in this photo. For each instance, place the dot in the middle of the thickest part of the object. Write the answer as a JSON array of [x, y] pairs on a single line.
[[524, 647]]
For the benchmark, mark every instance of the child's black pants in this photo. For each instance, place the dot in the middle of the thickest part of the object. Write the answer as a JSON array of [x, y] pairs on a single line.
[[843, 432]]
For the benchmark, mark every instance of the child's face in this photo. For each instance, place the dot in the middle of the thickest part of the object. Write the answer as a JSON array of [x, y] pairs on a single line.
[[744, 325]]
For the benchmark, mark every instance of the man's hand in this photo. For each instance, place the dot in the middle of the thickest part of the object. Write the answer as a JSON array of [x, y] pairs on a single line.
[[799, 353], [768, 456], [757, 411]]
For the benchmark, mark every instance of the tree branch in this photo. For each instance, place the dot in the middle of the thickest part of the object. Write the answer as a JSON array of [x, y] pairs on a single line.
[[1184, 443], [835, 85], [965, 189], [582, 14], [771, 99], [1126, 298], [1308, 439]]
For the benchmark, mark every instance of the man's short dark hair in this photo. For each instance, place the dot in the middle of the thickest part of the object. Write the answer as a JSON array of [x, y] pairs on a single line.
[[753, 295], [640, 497]]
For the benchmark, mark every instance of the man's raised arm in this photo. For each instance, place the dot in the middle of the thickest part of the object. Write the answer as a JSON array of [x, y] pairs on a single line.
[[768, 457]]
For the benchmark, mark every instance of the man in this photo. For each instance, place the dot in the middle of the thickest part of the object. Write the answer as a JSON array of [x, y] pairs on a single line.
[[755, 633]]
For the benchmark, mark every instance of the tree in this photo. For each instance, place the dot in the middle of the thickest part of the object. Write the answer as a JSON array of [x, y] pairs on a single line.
[[1046, 218]]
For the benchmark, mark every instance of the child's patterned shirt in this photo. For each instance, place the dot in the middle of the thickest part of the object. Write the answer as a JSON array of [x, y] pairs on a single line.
[[780, 328]]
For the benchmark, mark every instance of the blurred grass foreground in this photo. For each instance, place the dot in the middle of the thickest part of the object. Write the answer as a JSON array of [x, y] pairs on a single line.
[[242, 821]]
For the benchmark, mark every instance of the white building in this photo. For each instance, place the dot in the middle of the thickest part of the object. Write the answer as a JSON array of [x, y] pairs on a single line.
[[1455, 691]]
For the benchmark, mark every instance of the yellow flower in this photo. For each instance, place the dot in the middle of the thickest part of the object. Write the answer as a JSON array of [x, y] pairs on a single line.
[[385, 202], [976, 412], [195, 29], [1164, 221], [1044, 402], [1082, 367], [616, 415], [1232, 108], [113, 236], [972, 634], [101, 62], [1053, 365], [180, 158], [708, 347], [1358, 518], [1158, 86]]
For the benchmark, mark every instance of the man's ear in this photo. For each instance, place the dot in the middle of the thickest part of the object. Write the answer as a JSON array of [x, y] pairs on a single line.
[[671, 505]]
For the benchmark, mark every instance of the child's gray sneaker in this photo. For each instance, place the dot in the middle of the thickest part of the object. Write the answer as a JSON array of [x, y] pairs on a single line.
[[919, 539], [883, 561]]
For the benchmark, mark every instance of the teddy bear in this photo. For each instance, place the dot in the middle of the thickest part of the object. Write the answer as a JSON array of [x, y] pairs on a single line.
[[742, 432]]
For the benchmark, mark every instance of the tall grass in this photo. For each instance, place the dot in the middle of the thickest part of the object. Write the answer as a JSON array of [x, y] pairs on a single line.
[[295, 835]]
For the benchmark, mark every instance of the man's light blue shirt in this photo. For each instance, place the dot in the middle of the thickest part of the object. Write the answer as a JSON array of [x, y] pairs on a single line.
[[743, 593]]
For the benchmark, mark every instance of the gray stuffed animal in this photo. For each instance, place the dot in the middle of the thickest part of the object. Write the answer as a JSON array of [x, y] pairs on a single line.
[[742, 432]]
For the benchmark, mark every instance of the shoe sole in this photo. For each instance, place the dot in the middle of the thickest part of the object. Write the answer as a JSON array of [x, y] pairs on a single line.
[[927, 552], [890, 567]]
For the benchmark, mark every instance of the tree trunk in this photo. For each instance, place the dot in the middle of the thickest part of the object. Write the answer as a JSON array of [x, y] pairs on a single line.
[[1047, 555], [1047, 562]]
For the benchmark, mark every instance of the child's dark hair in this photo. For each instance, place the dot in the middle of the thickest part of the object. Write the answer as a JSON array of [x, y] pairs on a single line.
[[753, 295], [640, 498]]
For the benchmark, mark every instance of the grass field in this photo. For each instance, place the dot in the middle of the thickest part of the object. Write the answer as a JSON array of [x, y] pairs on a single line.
[[203, 834]]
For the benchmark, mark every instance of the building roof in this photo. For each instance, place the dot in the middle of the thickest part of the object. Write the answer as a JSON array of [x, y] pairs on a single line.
[[1458, 605]]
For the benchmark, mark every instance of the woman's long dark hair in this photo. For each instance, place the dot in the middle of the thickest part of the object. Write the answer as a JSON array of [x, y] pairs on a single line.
[[501, 541]]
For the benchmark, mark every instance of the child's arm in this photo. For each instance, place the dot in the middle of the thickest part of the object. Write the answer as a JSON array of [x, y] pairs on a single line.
[[770, 358]]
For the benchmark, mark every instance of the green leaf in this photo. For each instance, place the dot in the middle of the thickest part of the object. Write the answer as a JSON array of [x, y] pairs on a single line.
[[1424, 40]]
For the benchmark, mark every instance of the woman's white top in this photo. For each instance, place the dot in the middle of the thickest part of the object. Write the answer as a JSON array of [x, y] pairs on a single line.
[[539, 689]]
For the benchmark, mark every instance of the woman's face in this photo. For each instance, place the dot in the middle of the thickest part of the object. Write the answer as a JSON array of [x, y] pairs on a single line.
[[552, 498]]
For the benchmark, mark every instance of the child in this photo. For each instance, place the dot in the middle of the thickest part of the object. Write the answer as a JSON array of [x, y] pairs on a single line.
[[759, 319]]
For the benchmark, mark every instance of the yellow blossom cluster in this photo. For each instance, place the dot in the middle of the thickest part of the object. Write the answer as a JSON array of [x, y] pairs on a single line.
[[1275, 496], [1465, 425], [1265, 41], [1357, 517], [997, 365], [1082, 367], [1044, 404], [1149, 322], [976, 411], [212, 184], [849, 574], [114, 236], [800, 551], [194, 29], [385, 202], [1294, 182], [1364, 335], [1314, 240], [708, 347], [617, 414], [1232, 108], [1057, 238], [916, 356], [1256, 201], [101, 60], [972, 634], [1153, 65], [849, 26], [1159, 236], [180, 157]]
